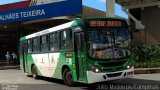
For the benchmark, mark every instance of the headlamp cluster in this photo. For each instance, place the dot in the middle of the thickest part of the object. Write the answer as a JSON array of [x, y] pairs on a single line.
[[129, 65], [94, 68]]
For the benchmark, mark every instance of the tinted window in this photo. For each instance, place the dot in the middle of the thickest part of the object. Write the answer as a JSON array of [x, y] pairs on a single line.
[[54, 45], [44, 43], [29, 46], [35, 45], [66, 39]]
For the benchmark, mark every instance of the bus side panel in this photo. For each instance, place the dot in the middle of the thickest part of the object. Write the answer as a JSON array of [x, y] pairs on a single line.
[[68, 61], [41, 61], [26, 62], [31, 61], [46, 64], [56, 62]]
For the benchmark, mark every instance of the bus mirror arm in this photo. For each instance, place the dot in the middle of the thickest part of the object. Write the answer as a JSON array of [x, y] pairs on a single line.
[[131, 34], [139, 26]]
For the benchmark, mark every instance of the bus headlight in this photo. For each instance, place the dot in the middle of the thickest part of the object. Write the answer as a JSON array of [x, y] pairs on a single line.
[[94, 68], [129, 65]]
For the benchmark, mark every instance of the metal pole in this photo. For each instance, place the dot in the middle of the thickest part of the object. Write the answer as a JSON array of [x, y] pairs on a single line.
[[110, 7]]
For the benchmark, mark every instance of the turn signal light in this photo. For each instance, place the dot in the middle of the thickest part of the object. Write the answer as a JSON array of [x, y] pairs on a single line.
[[69, 54]]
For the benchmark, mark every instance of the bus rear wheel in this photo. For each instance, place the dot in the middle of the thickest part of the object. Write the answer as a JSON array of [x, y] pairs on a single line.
[[34, 72], [67, 77]]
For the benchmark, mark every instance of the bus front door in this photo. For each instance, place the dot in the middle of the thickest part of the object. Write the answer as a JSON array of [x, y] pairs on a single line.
[[79, 46], [24, 57]]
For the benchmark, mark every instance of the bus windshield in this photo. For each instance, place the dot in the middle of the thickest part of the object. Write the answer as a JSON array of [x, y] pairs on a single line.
[[108, 44]]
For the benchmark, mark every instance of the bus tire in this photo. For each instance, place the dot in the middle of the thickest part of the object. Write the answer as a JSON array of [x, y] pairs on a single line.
[[34, 72], [67, 77]]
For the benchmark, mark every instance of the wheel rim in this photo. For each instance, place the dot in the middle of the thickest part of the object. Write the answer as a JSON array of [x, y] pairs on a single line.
[[33, 73], [69, 77]]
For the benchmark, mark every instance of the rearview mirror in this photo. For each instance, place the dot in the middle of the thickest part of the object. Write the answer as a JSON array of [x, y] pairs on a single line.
[[131, 34], [135, 28]]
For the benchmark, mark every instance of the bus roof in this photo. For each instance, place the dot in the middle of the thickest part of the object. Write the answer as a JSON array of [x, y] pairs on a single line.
[[63, 26], [53, 29]]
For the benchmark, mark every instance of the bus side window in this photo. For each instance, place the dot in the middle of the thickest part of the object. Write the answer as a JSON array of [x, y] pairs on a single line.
[[29, 44], [44, 43], [79, 37], [35, 45], [66, 39], [53, 41], [69, 44]]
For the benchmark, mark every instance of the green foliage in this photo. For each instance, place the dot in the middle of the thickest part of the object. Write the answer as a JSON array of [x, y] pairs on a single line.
[[147, 56]]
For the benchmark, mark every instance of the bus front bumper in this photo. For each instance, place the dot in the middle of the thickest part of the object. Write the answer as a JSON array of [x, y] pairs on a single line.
[[100, 77]]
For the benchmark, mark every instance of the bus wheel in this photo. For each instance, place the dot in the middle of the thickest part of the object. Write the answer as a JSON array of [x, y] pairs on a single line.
[[34, 72], [67, 77]]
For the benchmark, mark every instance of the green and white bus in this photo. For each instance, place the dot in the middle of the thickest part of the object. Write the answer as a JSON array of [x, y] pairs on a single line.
[[86, 50]]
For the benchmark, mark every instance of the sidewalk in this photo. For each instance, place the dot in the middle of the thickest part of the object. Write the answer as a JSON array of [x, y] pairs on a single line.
[[147, 70], [9, 67], [3, 66]]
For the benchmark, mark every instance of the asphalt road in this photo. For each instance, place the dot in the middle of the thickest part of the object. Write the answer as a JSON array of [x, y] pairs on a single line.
[[13, 79]]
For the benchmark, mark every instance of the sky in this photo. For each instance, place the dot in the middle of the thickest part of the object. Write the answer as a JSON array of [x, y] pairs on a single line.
[[98, 4], [9, 1]]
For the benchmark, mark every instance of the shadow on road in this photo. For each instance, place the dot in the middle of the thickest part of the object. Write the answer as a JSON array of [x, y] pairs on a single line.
[[126, 84], [58, 81], [123, 84]]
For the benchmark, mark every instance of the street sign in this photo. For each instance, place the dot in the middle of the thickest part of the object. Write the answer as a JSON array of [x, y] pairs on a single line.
[[40, 10]]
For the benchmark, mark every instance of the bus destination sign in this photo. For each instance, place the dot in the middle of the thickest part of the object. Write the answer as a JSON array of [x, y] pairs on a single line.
[[105, 23]]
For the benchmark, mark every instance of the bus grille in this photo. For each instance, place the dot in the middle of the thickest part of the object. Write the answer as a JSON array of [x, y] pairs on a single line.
[[114, 74]]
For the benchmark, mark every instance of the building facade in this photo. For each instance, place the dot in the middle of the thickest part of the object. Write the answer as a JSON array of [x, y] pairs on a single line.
[[148, 12]]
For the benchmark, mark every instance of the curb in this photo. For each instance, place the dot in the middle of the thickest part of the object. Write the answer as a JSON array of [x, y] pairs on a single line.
[[9, 67], [147, 70]]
